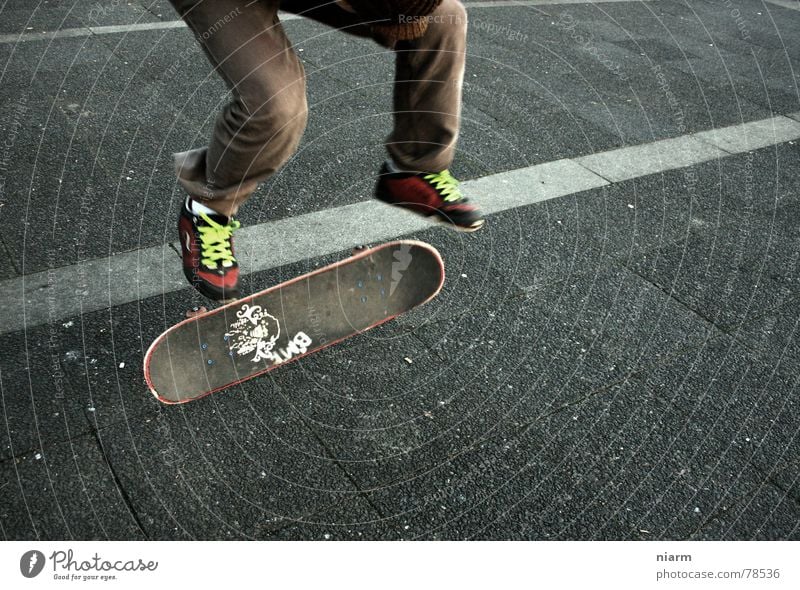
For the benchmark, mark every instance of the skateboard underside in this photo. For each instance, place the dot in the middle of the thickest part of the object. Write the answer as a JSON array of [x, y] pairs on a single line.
[[251, 336]]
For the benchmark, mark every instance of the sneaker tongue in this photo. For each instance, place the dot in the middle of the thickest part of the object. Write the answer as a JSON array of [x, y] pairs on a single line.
[[216, 218], [221, 219]]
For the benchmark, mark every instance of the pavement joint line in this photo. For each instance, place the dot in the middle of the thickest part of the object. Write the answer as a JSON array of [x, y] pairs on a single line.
[[91, 285], [6, 253], [89, 30], [650, 158], [752, 135]]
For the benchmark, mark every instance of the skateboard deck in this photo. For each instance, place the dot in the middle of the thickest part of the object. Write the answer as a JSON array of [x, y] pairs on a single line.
[[253, 335]]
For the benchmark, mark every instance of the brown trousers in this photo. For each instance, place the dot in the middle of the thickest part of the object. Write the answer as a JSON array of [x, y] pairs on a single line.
[[261, 127]]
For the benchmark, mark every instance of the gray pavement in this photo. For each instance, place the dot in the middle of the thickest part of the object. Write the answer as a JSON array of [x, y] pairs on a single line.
[[617, 360]]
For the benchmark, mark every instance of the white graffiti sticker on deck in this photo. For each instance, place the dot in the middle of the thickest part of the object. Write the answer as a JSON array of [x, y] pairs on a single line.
[[256, 332]]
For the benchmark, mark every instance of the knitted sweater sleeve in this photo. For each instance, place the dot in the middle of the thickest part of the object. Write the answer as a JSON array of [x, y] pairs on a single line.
[[398, 20]]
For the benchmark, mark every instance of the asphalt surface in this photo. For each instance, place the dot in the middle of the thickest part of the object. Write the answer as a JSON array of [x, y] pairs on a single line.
[[619, 363]]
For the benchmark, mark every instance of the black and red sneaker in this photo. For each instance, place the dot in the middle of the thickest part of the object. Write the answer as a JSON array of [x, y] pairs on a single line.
[[429, 195], [207, 248]]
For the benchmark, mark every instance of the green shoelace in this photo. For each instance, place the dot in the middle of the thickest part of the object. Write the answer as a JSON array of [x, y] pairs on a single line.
[[446, 185], [215, 245]]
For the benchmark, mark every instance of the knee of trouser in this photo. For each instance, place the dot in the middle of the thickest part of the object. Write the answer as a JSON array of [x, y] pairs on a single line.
[[287, 112], [263, 102]]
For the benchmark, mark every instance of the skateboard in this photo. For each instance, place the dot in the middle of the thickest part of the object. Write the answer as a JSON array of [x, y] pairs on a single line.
[[248, 337]]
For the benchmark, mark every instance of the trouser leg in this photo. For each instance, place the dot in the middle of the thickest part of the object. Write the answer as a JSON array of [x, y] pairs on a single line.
[[260, 128], [429, 74], [427, 92]]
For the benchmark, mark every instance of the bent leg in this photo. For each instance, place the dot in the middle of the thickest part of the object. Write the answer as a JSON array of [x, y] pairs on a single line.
[[427, 93], [428, 81], [261, 127]]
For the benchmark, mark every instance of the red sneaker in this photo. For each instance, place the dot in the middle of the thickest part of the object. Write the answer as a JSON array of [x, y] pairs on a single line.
[[207, 248], [429, 195]]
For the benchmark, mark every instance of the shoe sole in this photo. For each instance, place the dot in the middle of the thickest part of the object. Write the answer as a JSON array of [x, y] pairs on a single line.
[[438, 217], [210, 292], [462, 228]]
